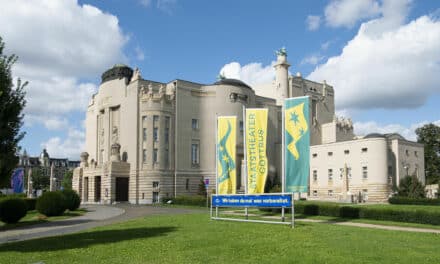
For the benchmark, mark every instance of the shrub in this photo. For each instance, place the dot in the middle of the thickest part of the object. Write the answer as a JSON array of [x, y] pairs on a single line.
[[30, 203], [349, 212], [411, 187], [12, 210], [417, 201], [51, 204], [311, 209], [72, 199], [187, 200], [388, 214]]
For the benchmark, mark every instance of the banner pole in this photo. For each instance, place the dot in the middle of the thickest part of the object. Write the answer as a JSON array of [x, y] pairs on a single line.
[[245, 176], [216, 153], [283, 158]]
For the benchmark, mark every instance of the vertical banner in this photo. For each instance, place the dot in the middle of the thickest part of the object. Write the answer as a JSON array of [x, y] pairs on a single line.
[[17, 180], [256, 159], [296, 144], [226, 144]]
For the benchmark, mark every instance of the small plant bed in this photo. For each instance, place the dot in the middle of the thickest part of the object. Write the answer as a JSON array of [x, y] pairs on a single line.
[[33, 217]]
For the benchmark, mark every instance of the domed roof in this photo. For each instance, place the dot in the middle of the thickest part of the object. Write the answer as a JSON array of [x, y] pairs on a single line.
[[118, 71], [233, 82], [374, 135]]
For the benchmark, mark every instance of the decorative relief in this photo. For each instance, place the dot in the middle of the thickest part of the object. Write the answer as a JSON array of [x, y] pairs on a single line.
[[115, 136]]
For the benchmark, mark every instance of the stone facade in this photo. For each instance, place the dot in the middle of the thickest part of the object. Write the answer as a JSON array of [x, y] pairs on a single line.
[[146, 140]]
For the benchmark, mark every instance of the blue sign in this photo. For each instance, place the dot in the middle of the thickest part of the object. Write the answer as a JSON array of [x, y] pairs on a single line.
[[17, 180], [275, 200]]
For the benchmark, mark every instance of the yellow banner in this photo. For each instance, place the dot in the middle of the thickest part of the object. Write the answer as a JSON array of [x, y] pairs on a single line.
[[226, 144], [256, 159]]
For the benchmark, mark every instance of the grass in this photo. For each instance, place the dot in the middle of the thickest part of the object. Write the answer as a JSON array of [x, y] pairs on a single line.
[[33, 217], [193, 238]]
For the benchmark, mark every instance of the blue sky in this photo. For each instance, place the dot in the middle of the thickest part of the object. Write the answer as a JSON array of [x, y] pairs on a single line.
[[382, 57]]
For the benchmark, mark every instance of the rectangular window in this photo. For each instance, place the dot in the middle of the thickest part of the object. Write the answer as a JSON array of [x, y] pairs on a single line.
[[195, 153], [144, 155], [155, 155], [330, 174], [155, 197], [314, 155], [167, 159], [315, 193], [416, 154], [195, 123], [315, 175], [144, 134], [330, 192], [155, 184], [155, 134], [364, 172], [187, 184], [330, 153], [346, 152], [167, 130], [364, 150], [155, 120], [407, 152]]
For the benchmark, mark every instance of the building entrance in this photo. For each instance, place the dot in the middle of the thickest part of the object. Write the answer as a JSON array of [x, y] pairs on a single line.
[[97, 188], [121, 189]]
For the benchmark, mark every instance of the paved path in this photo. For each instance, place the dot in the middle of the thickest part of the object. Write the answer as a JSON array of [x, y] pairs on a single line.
[[97, 215]]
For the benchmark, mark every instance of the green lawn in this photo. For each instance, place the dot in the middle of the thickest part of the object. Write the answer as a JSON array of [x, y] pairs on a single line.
[[33, 217], [196, 239]]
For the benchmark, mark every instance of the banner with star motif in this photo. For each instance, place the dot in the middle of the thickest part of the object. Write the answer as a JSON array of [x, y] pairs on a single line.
[[256, 160], [296, 144], [226, 144]]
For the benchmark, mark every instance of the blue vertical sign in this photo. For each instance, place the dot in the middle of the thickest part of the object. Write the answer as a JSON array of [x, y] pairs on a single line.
[[17, 180]]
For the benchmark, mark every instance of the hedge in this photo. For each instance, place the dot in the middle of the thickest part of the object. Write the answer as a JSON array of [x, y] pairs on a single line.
[[12, 210], [51, 204], [186, 200], [416, 201], [30, 203], [419, 216]]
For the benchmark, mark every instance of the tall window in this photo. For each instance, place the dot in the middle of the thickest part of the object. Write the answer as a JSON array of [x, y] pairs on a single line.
[[330, 192], [330, 174], [167, 130], [144, 155], [155, 134], [364, 172], [155, 184], [155, 155], [195, 123], [315, 175], [144, 134], [195, 153], [167, 158], [187, 184]]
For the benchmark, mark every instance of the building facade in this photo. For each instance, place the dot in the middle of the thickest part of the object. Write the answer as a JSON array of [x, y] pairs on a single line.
[[146, 140]]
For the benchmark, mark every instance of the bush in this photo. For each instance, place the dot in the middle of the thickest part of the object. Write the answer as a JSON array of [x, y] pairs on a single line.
[[190, 200], [51, 204], [311, 209], [416, 201], [72, 199], [349, 212], [12, 210], [388, 214], [30, 203]]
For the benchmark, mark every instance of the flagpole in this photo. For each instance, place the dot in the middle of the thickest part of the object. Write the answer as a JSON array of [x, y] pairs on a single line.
[[216, 153], [245, 159], [283, 173]]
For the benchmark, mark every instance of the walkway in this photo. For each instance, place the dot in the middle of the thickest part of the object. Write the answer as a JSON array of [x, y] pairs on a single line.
[[97, 215]]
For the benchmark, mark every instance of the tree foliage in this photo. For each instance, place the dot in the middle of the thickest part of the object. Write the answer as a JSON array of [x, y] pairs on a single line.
[[429, 135], [67, 180], [411, 187], [39, 180], [12, 103]]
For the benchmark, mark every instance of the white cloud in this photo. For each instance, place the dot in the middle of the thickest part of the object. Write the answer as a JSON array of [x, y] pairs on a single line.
[[312, 59], [313, 22], [145, 3], [167, 6], [140, 56], [365, 128], [59, 44], [252, 73], [346, 13], [387, 64], [71, 147]]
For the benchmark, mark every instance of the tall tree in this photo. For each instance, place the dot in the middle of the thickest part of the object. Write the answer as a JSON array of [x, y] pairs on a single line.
[[429, 135], [67, 180], [12, 103]]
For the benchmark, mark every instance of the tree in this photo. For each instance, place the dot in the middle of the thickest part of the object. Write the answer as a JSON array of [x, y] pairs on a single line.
[[39, 180], [67, 180], [411, 187], [429, 135], [12, 103]]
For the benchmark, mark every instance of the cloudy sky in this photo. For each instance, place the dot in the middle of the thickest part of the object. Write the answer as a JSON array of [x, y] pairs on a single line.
[[381, 56]]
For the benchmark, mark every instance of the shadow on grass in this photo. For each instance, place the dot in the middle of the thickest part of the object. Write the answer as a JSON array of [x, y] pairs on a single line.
[[84, 240]]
